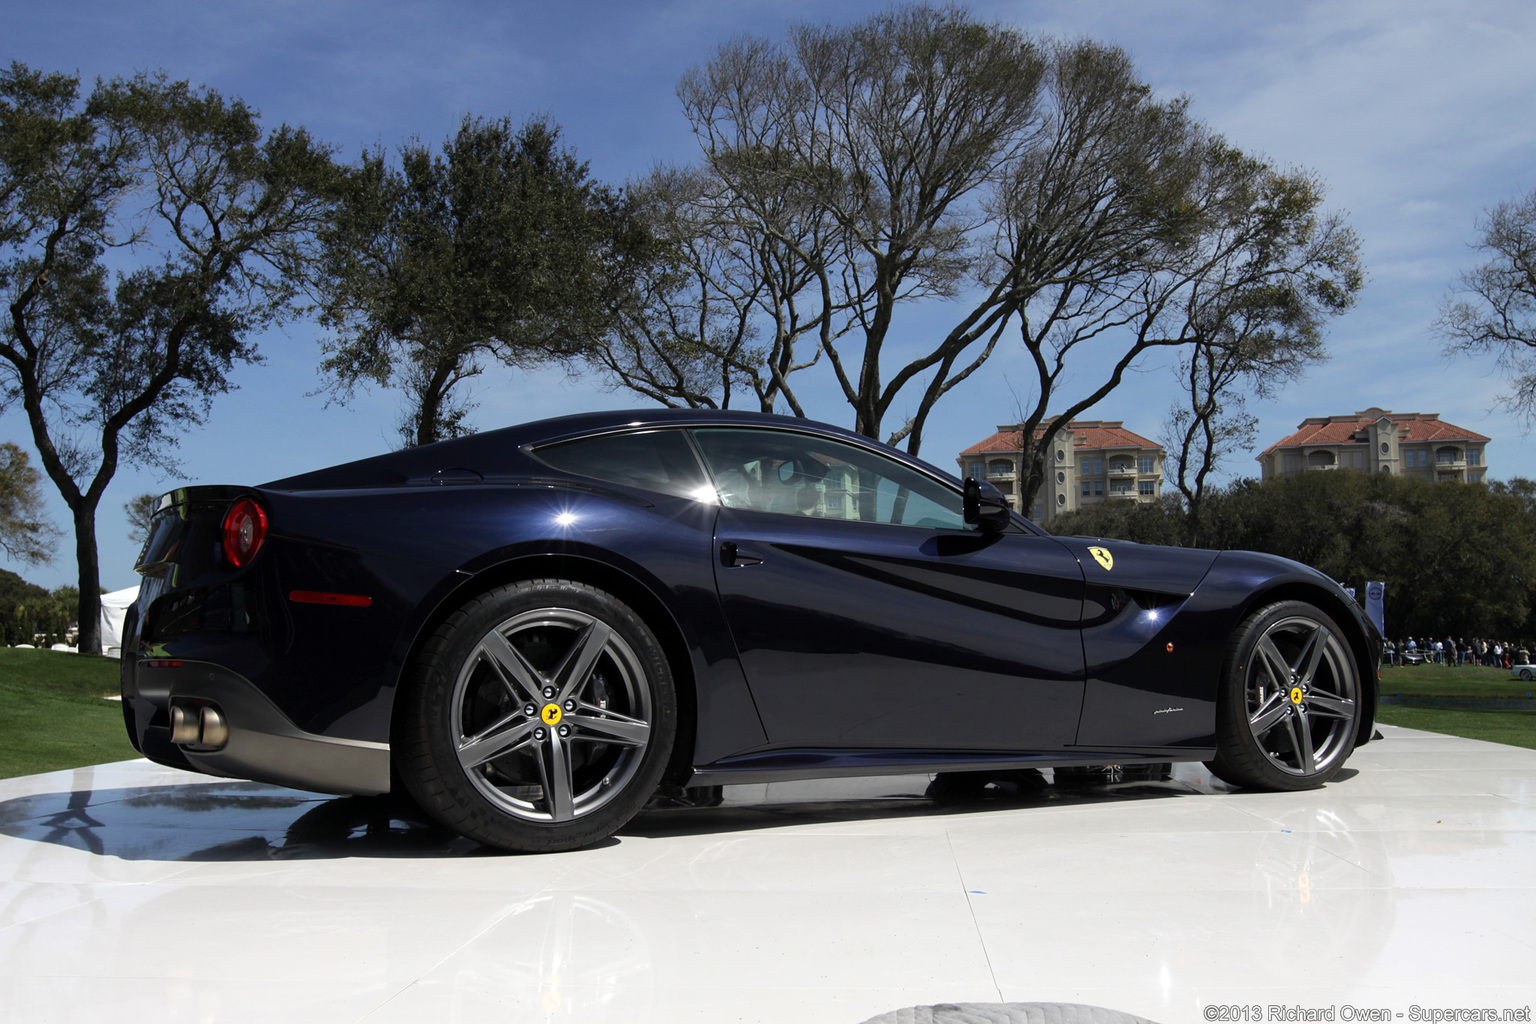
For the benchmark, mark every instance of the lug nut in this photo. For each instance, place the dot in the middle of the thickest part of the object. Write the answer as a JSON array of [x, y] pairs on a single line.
[[530, 710], [549, 691], [539, 734], [565, 730]]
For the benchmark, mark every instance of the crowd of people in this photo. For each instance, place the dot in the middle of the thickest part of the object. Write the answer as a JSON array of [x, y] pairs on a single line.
[[1455, 653]]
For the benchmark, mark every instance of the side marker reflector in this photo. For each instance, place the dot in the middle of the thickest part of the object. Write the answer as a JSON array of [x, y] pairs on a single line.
[[321, 597]]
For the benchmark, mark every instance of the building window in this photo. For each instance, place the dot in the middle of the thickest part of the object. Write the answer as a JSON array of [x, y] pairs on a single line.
[[1146, 464], [1385, 447], [1145, 487], [1060, 454], [977, 470], [1087, 488], [1005, 486], [1474, 456], [1098, 488], [999, 466], [1061, 499], [1120, 487], [1098, 467]]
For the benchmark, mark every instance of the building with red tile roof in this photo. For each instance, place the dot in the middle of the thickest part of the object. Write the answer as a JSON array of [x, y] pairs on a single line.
[[1415, 444], [1090, 461]]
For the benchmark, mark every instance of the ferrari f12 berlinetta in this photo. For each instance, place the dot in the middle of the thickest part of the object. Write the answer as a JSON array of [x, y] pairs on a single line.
[[532, 629]]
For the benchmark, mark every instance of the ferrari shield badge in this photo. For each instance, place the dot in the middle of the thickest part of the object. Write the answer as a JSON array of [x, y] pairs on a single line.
[[551, 714], [1103, 557]]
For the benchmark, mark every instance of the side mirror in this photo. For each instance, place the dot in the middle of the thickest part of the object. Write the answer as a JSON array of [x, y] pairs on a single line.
[[985, 506]]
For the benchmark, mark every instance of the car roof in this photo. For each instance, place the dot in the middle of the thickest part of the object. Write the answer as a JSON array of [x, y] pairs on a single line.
[[503, 448]]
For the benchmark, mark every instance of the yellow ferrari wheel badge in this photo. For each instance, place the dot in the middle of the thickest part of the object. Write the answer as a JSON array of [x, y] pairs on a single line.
[[550, 714], [1296, 695], [1103, 557]]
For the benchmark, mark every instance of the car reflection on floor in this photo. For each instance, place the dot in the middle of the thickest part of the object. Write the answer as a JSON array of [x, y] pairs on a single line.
[[253, 821]]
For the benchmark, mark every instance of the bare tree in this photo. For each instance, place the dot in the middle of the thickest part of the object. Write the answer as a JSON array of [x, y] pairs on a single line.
[[844, 176], [922, 155], [1255, 318], [1497, 311]]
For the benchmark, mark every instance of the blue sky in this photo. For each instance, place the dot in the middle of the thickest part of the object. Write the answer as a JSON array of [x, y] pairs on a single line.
[[1416, 115]]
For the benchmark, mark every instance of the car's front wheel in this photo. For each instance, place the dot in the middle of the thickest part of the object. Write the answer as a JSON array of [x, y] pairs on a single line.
[[1289, 704], [539, 716]]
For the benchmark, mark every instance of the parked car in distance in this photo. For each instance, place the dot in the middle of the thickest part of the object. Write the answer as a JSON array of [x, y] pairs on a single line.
[[532, 629]]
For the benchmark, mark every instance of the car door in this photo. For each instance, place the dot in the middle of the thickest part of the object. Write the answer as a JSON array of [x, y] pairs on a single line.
[[867, 615]]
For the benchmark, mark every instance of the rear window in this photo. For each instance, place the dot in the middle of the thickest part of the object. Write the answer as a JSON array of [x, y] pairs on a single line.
[[655, 460]]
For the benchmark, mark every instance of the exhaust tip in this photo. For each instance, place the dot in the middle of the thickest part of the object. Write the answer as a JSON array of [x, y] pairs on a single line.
[[185, 727], [213, 731]]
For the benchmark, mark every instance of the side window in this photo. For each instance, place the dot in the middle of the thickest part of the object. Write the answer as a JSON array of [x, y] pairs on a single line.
[[656, 460], [797, 474]]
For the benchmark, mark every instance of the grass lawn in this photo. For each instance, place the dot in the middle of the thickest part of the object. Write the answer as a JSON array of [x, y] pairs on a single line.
[[56, 715], [1441, 681], [1515, 727]]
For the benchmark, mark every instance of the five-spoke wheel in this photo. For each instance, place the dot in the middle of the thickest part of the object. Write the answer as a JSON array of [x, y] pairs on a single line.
[[1289, 706], [541, 717]]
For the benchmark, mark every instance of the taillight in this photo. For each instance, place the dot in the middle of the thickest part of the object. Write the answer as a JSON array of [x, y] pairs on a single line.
[[245, 527]]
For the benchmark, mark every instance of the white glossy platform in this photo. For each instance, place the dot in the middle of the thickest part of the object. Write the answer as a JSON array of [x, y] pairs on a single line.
[[134, 893]]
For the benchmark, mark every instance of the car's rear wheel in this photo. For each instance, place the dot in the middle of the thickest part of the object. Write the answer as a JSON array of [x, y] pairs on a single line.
[[1289, 704], [1105, 774], [539, 717]]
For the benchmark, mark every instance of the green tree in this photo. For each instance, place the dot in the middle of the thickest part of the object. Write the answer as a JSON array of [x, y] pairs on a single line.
[[500, 248], [1457, 559], [146, 233], [25, 534], [18, 602], [1159, 522], [1496, 312]]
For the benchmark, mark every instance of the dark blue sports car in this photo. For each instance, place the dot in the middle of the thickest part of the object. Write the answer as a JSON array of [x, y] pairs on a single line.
[[533, 629]]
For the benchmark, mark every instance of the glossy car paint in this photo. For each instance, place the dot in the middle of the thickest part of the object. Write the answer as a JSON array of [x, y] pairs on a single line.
[[802, 647]]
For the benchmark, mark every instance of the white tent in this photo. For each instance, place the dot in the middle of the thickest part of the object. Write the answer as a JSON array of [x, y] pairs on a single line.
[[114, 609]]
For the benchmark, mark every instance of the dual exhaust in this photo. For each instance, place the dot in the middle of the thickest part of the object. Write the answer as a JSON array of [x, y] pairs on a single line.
[[204, 727]]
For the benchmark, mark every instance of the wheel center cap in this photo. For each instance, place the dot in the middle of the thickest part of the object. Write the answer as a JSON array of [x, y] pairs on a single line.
[[1296, 696], [551, 714]]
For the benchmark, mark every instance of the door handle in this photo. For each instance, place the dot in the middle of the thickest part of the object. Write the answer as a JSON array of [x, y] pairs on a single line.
[[732, 557]]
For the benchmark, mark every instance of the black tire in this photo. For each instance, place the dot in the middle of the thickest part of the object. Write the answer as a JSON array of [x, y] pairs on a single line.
[[1289, 704], [538, 717], [1525, 675]]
